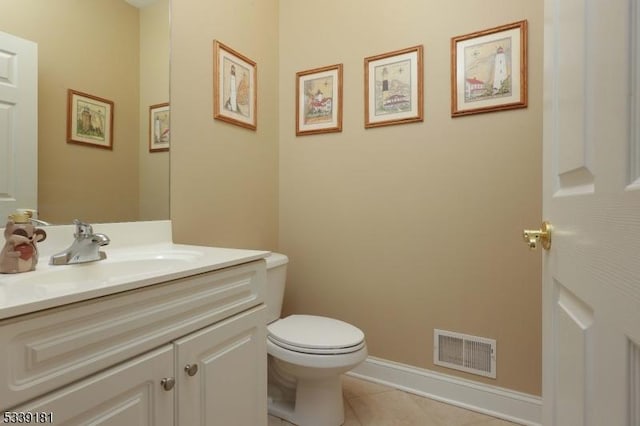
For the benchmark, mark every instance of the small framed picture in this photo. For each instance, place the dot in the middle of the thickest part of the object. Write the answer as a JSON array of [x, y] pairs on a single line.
[[393, 88], [319, 100], [489, 70], [89, 120], [235, 87], [159, 127]]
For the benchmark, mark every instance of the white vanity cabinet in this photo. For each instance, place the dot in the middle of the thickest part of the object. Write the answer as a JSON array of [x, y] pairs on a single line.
[[103, 361]]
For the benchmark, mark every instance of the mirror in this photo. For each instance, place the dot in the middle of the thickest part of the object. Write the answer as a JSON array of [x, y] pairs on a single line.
[[115, 50]]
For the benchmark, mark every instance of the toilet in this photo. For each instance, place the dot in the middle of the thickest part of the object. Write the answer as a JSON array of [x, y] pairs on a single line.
[[307, 355]]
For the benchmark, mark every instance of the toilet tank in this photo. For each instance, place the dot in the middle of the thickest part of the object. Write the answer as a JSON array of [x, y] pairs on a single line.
[[276, 278]]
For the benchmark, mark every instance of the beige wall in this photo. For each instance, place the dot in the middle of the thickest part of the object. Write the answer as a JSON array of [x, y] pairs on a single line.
[[398, 230], [403, 229], [154, 89], [88, 47], [224, 178]]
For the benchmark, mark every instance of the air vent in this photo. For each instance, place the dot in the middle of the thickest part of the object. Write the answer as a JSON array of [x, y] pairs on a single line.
[[476, 355]]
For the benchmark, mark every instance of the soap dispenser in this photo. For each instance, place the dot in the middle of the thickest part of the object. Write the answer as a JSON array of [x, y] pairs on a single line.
[[20, 253]]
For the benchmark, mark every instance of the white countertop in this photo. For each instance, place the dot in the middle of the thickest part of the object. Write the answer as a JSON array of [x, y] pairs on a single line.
[[140, 254]]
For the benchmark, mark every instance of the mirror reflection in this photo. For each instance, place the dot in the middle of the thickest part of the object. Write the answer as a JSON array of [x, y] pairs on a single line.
[[115, 50]]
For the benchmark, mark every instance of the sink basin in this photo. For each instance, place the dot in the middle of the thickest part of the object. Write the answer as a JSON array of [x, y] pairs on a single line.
[[116, 268]]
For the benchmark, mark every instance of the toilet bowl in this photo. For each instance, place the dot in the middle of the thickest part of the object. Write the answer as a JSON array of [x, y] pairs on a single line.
[[307, 355]]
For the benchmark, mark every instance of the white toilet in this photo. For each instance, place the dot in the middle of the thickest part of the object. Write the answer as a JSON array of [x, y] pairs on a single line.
[[307, 355]]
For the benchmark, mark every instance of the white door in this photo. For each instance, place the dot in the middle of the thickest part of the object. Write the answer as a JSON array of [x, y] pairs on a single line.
[[591, 195], [18, 124]]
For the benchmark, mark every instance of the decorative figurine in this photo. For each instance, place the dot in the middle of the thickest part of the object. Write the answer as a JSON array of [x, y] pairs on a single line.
[[20, 253]]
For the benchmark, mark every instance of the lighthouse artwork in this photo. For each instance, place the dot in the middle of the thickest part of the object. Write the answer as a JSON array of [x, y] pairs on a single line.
[[89, 120], [235, 87], [500, 73], [319, 100], [490, 70]]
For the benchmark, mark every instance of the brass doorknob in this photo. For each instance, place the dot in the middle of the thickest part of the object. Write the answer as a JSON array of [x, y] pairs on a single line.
[[532, 236]]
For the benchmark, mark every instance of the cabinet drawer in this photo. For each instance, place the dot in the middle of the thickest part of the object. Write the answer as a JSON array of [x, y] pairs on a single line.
[[44, 351]]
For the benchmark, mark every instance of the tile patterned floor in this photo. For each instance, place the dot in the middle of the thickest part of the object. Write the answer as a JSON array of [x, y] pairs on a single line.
[[371, 404]]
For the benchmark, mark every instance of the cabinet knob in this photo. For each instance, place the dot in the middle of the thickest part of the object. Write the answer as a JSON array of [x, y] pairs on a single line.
[[168, 383], [191, 369]]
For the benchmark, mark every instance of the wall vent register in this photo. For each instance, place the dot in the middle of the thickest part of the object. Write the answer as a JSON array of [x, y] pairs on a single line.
[[472, 354]]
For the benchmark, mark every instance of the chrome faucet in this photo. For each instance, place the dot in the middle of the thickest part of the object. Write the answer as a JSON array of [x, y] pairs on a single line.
[[85, 247]]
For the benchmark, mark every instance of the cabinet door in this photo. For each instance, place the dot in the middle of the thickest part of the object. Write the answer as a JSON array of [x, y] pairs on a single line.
[[229, 387], [127, 394]]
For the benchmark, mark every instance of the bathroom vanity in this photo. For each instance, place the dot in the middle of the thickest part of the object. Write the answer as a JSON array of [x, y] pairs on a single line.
[[130, 340]]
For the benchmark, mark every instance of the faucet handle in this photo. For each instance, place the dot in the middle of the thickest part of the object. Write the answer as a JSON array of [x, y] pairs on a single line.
[[82, 229]]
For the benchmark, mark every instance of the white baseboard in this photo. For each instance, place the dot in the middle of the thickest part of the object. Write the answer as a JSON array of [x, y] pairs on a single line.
[[499, 402]]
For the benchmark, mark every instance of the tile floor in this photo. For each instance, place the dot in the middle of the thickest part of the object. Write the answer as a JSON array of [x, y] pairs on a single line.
[[371, 404]]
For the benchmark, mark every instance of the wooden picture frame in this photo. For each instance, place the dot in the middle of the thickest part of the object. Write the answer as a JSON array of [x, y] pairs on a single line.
[[159, 127], [89, 120], [489, 70], [393, 84], [235, 87], [319, 100]]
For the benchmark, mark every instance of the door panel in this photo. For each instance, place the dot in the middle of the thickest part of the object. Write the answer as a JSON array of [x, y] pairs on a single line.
[[18, 124], [573, 169], [573, 337]]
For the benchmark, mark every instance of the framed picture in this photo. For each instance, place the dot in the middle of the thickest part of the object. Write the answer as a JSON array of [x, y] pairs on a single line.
[[393, 88], [235, 87], [89, 120], [319, 100], [159, 129], [489, 70]]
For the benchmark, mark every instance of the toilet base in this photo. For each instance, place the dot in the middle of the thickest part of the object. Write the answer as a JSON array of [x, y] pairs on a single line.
[[318, 402], [306, 389]]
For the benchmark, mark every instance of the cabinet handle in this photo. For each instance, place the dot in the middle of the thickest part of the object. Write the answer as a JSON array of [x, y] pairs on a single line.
[[191, 369], [168, 383]]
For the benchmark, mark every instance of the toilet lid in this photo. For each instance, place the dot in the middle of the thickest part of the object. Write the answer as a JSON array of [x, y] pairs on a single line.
[[315, 334]]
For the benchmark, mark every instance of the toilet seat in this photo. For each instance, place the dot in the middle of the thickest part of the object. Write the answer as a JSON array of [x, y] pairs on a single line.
[[315, 351], [316, 335]]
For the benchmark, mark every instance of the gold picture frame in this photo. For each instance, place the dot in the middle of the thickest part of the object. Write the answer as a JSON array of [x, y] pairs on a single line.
[[235, 87], [489, 70], [393, 84], [159, 127], [89, 120], [319, 100]]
